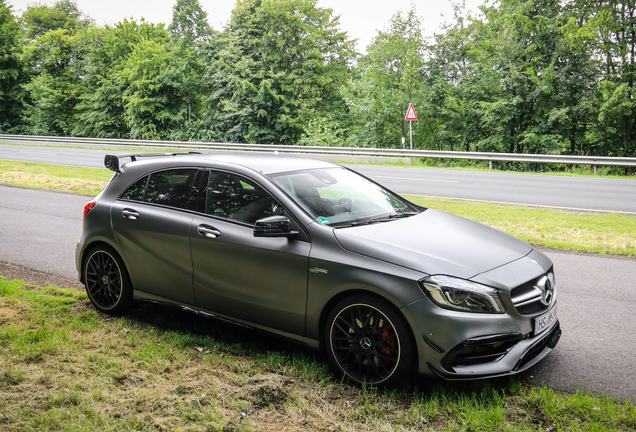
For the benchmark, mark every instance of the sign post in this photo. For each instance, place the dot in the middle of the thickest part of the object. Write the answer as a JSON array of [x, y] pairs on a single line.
[[410, 116]]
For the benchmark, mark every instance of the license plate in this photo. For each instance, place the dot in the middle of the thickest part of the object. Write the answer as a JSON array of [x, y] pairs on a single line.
[[544, 321]]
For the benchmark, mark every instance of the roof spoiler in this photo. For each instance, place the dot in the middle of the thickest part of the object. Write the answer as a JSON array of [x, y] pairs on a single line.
[[112, 161]]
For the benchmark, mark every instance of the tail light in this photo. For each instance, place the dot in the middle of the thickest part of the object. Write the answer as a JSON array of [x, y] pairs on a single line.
[[89, 206]]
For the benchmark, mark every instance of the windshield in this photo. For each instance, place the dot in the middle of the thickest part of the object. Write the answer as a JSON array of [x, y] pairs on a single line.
[[339, 197]]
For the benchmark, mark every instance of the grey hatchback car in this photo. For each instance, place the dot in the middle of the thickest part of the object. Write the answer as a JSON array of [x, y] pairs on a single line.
[[314, 252]]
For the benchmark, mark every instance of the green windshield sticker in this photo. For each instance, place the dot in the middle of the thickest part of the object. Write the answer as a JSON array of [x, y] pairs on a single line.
[[323, 220]]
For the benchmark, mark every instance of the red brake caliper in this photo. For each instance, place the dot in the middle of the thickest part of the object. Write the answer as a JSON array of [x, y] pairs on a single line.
[[391, 343]]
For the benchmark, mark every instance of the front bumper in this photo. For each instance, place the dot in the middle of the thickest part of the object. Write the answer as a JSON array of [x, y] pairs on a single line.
[[532, 351], [459, 345]]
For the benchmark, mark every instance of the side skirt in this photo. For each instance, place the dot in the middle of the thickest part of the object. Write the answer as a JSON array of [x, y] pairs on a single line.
[[289, 337]]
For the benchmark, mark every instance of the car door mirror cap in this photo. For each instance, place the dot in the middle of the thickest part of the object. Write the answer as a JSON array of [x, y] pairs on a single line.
[[274, 226]]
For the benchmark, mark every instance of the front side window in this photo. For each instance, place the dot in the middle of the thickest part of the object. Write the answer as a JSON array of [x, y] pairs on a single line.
[[238, 198], [170, 188], [339, 197]]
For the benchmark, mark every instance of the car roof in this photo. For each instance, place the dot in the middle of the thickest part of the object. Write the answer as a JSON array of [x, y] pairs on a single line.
[[264, 163]]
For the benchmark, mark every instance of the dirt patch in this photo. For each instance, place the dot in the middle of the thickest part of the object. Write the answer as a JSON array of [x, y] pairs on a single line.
[[34, 277]]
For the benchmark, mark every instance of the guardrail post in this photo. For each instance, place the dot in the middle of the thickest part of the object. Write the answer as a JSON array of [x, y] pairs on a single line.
[[490, 165], [594, 166]]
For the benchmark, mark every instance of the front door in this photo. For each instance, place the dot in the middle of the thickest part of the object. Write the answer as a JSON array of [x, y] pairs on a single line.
[[256, 279]]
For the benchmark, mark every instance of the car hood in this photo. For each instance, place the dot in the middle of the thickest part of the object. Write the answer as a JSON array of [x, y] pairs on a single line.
[[435, 242]]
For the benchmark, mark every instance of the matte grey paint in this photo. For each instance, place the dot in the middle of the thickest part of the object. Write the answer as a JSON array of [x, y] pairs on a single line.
[[266, 283], [437, 243]]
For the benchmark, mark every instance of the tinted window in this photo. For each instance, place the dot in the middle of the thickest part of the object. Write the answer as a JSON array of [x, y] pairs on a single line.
[[234, 197], [136, 191], [170, 188]]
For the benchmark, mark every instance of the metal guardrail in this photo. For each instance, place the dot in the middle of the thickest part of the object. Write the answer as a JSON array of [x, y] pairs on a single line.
[[345, 151]]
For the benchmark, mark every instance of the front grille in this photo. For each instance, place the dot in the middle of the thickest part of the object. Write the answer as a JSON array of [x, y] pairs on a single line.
[[536, 295]]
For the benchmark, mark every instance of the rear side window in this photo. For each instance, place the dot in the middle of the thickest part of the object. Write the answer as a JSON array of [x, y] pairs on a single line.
[[170, 188]]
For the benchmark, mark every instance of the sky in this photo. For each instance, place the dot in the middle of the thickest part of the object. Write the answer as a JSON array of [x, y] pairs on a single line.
[[361, 19]]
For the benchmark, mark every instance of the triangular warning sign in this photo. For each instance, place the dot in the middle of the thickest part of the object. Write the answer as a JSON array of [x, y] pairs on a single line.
[[410, 113]]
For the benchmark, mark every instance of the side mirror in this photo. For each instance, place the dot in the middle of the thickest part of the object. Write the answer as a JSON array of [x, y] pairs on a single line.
[[273, 226]]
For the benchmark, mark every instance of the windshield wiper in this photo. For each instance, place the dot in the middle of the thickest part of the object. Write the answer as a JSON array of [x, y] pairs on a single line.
[[402, 215], [386, 218]]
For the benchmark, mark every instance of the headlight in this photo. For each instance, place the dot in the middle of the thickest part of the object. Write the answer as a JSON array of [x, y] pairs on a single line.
[[462, 295]]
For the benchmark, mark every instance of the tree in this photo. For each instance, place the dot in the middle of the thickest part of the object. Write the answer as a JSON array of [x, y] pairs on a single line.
[[513, 81], [11, 72], [101, 110], [64, 14], [190, 31], [607, 28], [277, 65], [153, 105], [189, 23], [54, 88], [391, 77]]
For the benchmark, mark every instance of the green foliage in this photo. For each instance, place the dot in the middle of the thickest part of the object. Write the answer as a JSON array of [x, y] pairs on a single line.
[[275, 67], [189, 23], [525, 76], [54, 88], [150, 102], [40, 18], [324, 132], [391, 77], [11, 74], [608, 29], [512, 83], [101, 111]]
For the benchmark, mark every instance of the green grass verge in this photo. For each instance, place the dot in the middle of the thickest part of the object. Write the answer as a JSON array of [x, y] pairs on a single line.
[[561, 170], [64, 366], [85, 181], [611, 234], [602, 233]]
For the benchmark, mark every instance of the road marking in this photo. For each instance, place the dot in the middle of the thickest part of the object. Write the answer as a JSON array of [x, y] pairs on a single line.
[[525, 204], [416, 179], [42, 153]]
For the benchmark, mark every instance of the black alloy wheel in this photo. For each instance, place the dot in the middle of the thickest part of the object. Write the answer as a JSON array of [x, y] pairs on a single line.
[[107, 283], [369, 341]]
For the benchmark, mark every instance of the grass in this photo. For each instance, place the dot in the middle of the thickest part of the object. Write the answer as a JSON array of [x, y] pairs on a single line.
[[64, 366], [601, 233], [86, 181], [563, 170], [611, 234]]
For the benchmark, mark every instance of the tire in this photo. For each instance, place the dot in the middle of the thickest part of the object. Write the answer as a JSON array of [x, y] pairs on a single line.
[[106, 280], [369, 341]]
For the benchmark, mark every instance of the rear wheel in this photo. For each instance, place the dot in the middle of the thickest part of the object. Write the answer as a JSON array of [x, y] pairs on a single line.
[[107, 283], [369, 341]]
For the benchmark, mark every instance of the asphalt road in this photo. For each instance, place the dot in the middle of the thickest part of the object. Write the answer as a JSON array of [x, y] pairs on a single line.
[[582, 193], [596, 295], [542, 190]]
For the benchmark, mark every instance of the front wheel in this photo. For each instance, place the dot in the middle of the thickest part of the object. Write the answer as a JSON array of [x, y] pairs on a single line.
[[369, 341], [107, 283]]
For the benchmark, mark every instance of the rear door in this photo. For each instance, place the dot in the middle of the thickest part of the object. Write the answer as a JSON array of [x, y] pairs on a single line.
[[151, 221]]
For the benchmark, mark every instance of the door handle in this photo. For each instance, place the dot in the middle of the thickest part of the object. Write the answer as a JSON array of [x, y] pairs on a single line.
[[208, 231], [129, 214]]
